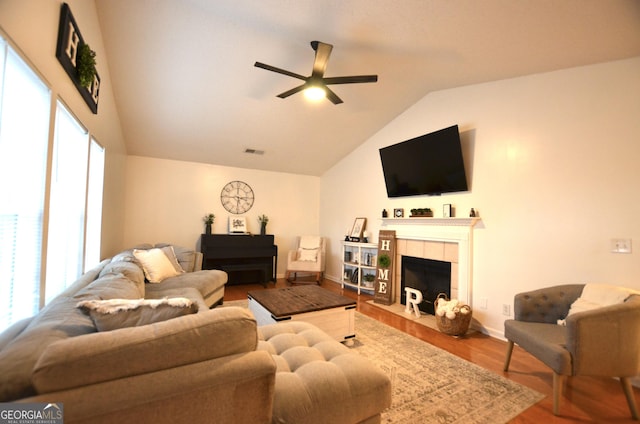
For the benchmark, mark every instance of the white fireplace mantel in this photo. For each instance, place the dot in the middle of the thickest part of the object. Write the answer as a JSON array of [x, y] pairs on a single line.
[[441, 229], [450, 230], [456, 222]]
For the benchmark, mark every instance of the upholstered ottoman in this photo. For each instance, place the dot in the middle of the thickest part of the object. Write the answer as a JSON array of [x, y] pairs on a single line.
[[319, 380]]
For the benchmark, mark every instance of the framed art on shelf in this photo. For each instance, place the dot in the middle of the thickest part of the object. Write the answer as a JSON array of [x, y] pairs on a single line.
[[446, 211], [357, 229], [237, 225]]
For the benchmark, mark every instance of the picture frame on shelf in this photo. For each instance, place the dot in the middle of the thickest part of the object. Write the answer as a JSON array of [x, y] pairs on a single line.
[[357, 229], [446, 210], [237, 225]]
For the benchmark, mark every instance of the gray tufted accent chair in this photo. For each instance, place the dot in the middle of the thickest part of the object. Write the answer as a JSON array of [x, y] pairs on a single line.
[[600, 342]]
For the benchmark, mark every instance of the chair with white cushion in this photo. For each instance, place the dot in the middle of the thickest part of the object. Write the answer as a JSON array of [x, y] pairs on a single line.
[[308, 257], [579, 329]]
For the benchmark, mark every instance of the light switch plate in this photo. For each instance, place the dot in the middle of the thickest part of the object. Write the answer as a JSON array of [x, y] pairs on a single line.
[[621, 245]]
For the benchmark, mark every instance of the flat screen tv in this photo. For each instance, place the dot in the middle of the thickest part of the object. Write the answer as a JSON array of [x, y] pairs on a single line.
[[431, 164]]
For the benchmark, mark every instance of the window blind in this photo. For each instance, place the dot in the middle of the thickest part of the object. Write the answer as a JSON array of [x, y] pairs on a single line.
[[25, 104]]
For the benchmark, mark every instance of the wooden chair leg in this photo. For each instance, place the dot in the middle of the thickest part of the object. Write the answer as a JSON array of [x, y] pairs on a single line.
[[557, 392], [631, 400], [507, 359]]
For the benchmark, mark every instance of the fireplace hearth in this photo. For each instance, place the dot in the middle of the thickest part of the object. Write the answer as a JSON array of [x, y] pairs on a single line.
[[430, 277]]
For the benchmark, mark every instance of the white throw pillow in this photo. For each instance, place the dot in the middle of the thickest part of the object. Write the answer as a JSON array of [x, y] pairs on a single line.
[[309, 242], [308, 255], [155, 264], [171, 255]]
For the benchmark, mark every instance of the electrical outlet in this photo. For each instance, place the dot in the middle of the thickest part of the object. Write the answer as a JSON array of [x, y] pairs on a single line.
[[483, 302], [506, 310], [621, 245]]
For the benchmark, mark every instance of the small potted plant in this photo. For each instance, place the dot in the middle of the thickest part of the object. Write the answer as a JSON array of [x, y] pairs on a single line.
[[263, 219], [86, 67], [208, 222], [369, 278], [426, 212]]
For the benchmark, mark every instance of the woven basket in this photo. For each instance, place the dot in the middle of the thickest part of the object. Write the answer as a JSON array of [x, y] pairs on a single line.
[[454, 327]]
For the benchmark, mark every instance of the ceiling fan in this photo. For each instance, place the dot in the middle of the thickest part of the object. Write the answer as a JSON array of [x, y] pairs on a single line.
[[317, 79]]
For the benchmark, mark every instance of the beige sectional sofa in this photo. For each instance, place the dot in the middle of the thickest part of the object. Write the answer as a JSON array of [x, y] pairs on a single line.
[[205, 365]]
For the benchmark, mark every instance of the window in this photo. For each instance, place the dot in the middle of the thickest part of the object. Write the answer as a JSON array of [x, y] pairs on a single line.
[[25, 104], [74, 213], [94, 205], [67, 208]]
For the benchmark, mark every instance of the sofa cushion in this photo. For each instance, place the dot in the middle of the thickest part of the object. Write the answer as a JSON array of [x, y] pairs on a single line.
[[120, 313], [155, 264], [545, 341], [110, 355], [57, 321], [206, 282], [129, 269], [112, 286]]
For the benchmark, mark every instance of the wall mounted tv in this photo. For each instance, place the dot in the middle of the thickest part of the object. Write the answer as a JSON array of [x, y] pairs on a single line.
[[427, 165]]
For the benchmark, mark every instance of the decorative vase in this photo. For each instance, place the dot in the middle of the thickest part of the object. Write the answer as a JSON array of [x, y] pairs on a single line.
[[263, 228], [207, 228]]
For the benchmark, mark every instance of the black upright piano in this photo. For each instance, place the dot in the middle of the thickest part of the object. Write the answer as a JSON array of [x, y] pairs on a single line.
[[245, 258]]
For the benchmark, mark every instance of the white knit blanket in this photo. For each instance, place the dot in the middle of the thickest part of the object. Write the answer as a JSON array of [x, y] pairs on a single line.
[[112, 306], [597, 296]]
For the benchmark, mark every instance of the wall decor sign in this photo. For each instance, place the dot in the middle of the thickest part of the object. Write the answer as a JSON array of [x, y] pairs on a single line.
[[385, 267], [74, 54]]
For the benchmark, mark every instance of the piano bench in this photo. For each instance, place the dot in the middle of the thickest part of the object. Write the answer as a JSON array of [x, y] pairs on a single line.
[[264, 269]]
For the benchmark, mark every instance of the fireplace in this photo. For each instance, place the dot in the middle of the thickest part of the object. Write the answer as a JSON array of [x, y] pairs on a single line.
[[430, 277], [440, 239]]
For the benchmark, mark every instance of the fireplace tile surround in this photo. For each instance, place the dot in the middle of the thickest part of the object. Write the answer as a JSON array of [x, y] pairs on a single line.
[[442, 239], [439, 251]]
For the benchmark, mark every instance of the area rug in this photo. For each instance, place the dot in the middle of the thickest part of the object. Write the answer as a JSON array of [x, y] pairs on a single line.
[[430, 385]]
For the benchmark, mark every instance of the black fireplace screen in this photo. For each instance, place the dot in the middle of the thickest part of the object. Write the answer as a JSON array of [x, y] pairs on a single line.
[[429, 276]]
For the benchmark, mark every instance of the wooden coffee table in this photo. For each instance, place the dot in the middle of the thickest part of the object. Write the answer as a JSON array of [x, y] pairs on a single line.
[[330, 312]]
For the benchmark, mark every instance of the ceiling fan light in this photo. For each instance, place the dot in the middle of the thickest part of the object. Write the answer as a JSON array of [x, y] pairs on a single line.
[[315, 93]]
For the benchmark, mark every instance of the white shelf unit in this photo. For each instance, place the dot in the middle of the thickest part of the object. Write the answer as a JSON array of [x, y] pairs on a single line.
[[358, 261]]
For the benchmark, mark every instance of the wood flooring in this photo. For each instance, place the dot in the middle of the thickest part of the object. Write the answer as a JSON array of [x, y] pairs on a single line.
[[585, 399]]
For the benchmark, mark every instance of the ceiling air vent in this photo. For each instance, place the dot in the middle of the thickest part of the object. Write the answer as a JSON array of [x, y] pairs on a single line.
[[254, 151]]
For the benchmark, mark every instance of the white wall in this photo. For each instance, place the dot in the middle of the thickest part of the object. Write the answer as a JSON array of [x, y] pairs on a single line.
[[166, 201], [552, 160]]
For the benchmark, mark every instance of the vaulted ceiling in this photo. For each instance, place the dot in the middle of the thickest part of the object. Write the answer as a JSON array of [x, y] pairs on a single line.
[[186, 87]]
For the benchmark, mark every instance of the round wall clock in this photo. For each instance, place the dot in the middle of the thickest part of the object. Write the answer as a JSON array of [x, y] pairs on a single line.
[[237, 197]]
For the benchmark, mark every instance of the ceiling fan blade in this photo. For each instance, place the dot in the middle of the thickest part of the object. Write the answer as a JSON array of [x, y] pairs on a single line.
[[323, 51], [351, 80], [333, 96], [292, 91], [278, 70]]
